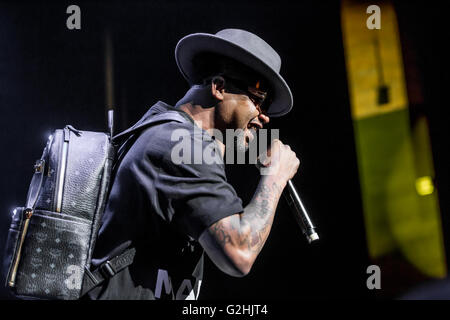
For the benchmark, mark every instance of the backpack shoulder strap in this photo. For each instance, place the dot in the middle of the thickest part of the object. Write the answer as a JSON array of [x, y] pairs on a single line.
[[124, 140], [147, 122]]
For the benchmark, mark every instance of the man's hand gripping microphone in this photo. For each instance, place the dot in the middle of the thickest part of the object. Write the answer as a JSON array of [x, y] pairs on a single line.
[[293, 199]]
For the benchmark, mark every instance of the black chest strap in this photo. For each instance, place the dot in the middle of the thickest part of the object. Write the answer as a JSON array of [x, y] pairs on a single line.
[[107, 270]]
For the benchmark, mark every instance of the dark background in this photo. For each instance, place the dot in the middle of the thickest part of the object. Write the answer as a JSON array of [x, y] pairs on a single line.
[[51, 76]]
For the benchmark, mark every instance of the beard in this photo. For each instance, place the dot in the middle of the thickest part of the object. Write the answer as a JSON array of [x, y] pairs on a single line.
[[238, 145], [241, 143]]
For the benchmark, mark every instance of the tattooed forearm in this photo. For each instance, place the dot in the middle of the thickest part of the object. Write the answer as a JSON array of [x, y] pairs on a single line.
[[221, 234], [256, 220], [234, 242]]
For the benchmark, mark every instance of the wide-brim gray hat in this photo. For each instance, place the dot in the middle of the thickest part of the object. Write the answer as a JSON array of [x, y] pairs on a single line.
[[245, 47]]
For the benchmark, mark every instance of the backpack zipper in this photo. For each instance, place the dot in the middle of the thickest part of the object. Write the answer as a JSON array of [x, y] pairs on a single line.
[[27, 213], [62, 170]]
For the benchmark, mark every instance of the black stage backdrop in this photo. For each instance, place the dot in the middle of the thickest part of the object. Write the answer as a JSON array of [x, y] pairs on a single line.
[[51, 76]]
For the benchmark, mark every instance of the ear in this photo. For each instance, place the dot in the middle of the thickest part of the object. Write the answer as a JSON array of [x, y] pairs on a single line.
[[218, 88]]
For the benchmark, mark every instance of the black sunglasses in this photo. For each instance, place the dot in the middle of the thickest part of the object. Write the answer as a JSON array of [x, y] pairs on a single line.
[[259, 97]]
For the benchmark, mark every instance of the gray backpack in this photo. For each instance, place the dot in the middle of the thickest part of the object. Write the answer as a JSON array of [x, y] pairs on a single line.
[[51, 240]]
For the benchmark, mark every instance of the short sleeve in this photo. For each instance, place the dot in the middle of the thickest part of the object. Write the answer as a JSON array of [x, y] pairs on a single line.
[[197, 192]]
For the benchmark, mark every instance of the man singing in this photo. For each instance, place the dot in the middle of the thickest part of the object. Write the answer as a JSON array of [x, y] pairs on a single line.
[[162, 215]]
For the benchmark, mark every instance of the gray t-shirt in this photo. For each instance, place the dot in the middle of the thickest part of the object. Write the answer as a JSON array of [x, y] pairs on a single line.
[[161, 207]]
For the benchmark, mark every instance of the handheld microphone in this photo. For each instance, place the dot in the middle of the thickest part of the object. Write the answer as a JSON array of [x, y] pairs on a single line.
[[299, 211]]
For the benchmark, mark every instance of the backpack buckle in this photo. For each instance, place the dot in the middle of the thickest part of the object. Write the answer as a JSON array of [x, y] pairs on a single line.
[[107, 269]]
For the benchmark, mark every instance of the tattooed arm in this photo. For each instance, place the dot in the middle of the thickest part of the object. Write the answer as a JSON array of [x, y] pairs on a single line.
[[234, 242]]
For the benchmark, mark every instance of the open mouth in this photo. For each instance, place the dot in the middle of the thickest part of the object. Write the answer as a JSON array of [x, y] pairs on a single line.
[[252, 128], [254, 124], [250, 135]]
